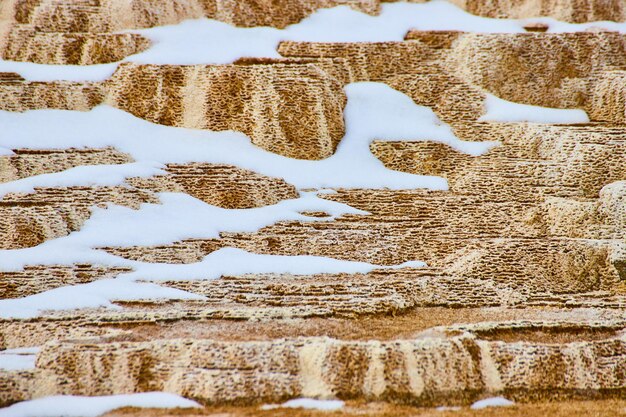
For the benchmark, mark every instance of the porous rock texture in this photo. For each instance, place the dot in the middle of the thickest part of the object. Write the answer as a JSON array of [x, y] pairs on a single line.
[[292, 110], [523, 295]]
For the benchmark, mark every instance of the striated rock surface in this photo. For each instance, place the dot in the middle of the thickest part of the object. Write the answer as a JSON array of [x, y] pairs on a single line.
[[31, 219], [423, 371], [292, 110], [16, 94], [523, 295], [82, 32]]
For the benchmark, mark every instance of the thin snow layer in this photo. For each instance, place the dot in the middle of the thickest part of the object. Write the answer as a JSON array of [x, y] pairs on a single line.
[[499, 110], [181, 216], [79, 406], [309, 404], [95, 294], [235, 262], [20, 359], [447, 408], [13, 362], [373, 111], [178, 217], [207, 41], [87, 175], [154, 224], [42, 72], [226, 261], [492, 402]]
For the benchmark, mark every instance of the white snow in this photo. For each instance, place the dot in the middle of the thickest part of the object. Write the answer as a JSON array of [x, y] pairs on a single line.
[[447, 408], [207, 41], [204, 41], [373, 111], [235, 262], [19, 359], [181, 216], [79, 406], [95, 294], [492, 402], [31, 350], [499, 110], [165, 223], [226, 261], [309, 404], [87, 175]]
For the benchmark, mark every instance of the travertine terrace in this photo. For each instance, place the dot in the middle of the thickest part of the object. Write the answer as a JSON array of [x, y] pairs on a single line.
[[523, 295]]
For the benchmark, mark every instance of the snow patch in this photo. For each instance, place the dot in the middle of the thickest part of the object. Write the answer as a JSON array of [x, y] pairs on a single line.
[[20, 359], [181, 216], [492, 402], [87, 175], [79, 406], [203, 41], [499, 110], [235, 262], [32, 350], [307, 403], [164, 223], [447, 408], [178, 217], [31, 71], [208, 41]]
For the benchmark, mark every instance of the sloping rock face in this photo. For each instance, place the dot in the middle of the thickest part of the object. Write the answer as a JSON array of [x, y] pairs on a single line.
[[423, 371], [292, 110], [523, 294]]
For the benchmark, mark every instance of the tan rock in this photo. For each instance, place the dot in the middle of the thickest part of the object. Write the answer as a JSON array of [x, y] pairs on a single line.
[[293, 110], [523, 295]]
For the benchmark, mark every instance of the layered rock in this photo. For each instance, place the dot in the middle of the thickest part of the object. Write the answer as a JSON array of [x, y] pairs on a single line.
[[457, 368], [224, 186], [551, 70], [30, 219], [30, 162], [16, 94], [524, 249], [293, 110]]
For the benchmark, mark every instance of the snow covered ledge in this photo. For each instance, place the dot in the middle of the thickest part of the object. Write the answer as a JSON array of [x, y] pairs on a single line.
[[499, 110]]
